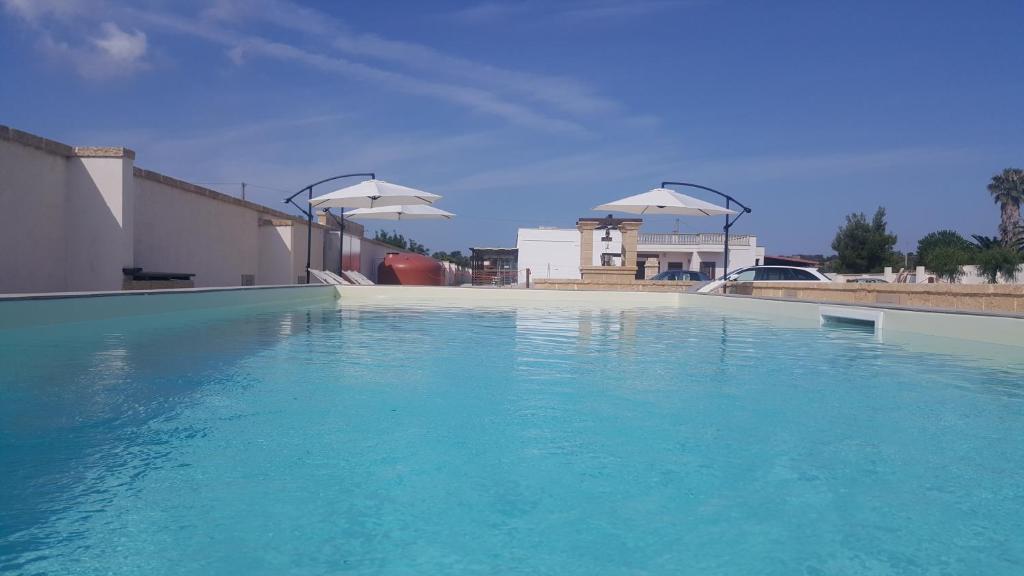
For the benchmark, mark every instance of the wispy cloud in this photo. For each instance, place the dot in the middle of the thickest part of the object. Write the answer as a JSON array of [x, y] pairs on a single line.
[[489, 11], [816, 166], [264, 153], [565, 94], [620, 8], [251, 29], [215, 140], [655, 163], [565, 172], [473, 98], [113, 51], [562, 93], [35, 10], [242, 46]]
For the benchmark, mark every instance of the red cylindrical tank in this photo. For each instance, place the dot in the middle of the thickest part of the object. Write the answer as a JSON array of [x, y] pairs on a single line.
[[410, 270]]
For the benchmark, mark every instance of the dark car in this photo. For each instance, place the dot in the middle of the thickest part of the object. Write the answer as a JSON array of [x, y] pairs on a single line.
[[685, 275]]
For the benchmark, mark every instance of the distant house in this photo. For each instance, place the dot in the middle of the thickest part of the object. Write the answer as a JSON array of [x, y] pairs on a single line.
[[549, 253], [702, 252], [790, 261], [494, 266], [556, 253]]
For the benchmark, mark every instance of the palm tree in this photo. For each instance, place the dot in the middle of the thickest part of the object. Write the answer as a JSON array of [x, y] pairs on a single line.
[[1007, 189], [985, 242]]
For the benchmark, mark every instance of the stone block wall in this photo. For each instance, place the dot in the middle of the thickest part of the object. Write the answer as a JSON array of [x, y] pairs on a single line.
[[995, 298], [632, 285]]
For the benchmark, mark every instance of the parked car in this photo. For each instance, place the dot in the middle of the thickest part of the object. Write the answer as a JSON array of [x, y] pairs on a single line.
[[768, 274], [867, 280], [777, 274], [684, 275]]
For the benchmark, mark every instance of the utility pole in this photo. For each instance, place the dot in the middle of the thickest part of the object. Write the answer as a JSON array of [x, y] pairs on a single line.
[[243, 190]]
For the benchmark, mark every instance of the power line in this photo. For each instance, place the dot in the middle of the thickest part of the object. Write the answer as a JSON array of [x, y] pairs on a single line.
[[243, 185]]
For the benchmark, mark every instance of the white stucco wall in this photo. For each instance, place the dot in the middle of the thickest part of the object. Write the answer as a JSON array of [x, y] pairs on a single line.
[[275, 256], [99, 220], [76, 216], [371, 254], [691, 257], [549, 253], [32, 236], [180, 231], [299, 252]]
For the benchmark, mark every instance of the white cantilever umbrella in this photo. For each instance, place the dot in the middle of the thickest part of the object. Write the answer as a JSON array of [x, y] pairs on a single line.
[[664, 201], [371, 194], [401, 212]]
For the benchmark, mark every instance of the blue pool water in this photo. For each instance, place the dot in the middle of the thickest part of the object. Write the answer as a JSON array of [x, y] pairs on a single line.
[[389, 440]]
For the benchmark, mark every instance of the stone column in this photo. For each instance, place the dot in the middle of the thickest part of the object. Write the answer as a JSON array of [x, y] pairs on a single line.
[[921, 275], [586, 242], [629, 232], [100, 218], [652, 267]]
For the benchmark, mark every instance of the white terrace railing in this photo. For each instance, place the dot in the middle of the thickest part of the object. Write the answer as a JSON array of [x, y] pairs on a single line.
[[700, 239]]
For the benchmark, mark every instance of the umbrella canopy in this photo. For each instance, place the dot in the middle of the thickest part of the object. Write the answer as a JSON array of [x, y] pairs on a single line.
[[371, 194], [402, 212], [664, 201]]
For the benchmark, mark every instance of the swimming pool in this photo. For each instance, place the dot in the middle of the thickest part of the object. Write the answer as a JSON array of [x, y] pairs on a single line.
[[402, 439]]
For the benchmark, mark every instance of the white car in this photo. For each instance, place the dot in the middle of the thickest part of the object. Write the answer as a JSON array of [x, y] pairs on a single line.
[[761, 274]]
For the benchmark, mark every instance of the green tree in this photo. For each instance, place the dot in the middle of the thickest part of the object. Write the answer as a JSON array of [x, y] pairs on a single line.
[[399, 241], [998, 261], [947, 261], [1007, 190], [940, 239], [994, 259], [984, 242], [862, 246], [394, 239], [455, 256], [418, 248]]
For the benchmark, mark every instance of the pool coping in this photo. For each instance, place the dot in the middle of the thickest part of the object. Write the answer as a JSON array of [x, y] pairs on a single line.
[[29, 310], [154, 292], [988, 328], [24, 310], [923, 309], [490, 291]]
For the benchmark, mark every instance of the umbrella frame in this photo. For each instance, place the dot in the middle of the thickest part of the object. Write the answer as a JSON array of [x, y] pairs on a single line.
[[400, 213], [728, 223], [309, 213]]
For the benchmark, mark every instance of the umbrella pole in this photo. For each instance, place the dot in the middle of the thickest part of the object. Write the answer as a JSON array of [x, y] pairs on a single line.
[[725, 272], [728, 223], [309, 236], [309, 213]]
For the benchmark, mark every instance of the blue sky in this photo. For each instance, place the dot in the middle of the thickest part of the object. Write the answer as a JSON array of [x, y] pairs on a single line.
[[530, 113]]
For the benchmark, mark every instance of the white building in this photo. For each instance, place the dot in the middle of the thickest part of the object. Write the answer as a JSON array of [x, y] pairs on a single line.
[[548, 252], [703, 252], [555, 252]]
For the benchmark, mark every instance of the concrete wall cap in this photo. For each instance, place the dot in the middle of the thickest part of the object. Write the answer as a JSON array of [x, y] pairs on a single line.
[[103, 152], [214, 195], [9, 134]]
